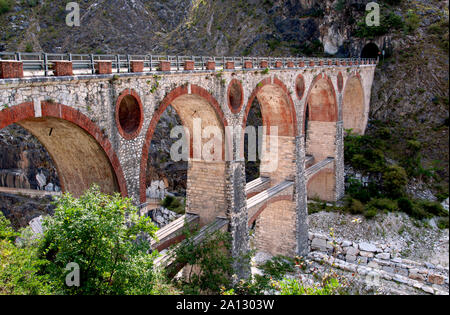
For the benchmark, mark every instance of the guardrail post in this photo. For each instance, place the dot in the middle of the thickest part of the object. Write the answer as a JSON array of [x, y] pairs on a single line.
[[92, 64], [128, 62], [118, 63], [151, 61], [18, 56], [45, 65], [203, 63]]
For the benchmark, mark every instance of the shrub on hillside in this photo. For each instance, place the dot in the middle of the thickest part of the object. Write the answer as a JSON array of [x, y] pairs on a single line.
[[394, 181], [20, 265], [104, 236]]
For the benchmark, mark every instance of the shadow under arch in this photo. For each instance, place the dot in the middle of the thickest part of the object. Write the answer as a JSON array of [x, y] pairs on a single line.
[[277, 110], [81, 152], [353, 105], [320, 125]]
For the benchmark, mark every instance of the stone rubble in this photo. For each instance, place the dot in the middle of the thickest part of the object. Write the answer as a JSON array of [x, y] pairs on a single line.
[[376, 259]]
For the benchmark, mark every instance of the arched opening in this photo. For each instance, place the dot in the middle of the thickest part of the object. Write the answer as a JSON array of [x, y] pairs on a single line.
[[166, 179], [320, 130], [235, 96], [81, 153], [271, 107], [370, 50], [129, 116], [25, 165], [201, 145], [353, 106], [271, 128]]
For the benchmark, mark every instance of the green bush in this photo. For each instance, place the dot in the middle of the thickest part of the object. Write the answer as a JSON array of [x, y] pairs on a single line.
[[103, 235], [432, 207], [278, 266], [370, 212], [384, 204], [212, 260], [405, 205], [5, 6], [443, 223], [394, 181], [20, 265], [354, 206], [173, 204]]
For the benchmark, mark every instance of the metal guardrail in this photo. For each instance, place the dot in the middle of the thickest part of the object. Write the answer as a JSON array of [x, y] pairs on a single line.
[[122, 63]]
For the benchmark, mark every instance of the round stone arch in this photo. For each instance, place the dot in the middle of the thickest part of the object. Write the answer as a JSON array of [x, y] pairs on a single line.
[[277, 109], [353, 105], [89, 158], [320, 130], [179, 97], [129, 114], [328, 112]]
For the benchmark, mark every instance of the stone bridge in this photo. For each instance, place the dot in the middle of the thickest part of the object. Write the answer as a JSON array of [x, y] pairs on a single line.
[[96, 116]]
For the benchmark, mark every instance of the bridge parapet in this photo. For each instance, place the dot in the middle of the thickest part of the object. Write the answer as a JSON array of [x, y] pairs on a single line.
[[42, 64]]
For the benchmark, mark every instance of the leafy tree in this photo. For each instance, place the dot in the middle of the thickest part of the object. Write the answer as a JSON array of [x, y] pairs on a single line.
[[106, 238], [19, 264]]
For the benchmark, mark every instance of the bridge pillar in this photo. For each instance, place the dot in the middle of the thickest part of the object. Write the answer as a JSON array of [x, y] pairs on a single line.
[[238, 216], [301, 199], [206, 190], [339, 161]]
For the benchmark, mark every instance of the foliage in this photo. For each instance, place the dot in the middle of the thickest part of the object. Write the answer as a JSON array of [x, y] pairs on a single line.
[[330, 285], [19, 264], [5, 6], [105, 237], [173, 204], [211, 265], [278, 266], [354, 206], [412, 21], [443, 223], [388, 21], [394, 181]]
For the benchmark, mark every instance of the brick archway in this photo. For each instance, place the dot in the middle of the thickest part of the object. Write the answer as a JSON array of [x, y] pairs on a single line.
[[330, 111], [319, 127], [291, 108], [71, 121], [277, 110], [179, 98]]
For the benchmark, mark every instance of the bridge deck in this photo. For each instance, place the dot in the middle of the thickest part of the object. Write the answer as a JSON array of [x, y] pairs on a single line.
[[167, 259], [310, 171], [173, 232]]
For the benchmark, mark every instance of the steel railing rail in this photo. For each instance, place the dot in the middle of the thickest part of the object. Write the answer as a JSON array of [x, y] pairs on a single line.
[[122, 63]]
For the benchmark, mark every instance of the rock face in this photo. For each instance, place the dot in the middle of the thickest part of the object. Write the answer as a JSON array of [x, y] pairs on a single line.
[[21, 210], [162, 216], [164, 174], [24, 162]]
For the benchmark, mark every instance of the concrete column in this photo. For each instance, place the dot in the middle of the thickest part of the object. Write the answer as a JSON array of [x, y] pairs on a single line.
[[301, 198], [238, 216], [339, 161]]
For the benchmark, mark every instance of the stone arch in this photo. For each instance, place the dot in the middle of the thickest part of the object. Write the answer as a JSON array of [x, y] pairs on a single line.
[[370, 50], [81, 152], [190, 102], [278, 110], [320, 132], [353, 107]]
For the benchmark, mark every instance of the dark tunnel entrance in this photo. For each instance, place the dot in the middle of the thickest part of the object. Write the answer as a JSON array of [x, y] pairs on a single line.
[[371, 50]]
